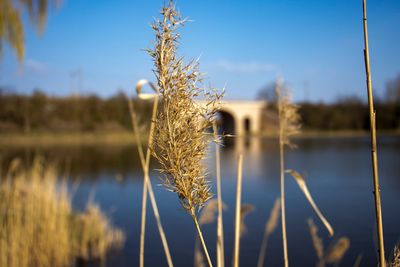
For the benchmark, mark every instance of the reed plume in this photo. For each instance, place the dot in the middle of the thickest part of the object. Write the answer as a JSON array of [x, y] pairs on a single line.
[[289, 125], [180, 143], [395, 261]]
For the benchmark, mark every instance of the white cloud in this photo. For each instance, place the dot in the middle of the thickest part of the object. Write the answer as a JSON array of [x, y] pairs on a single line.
[[245, 67]]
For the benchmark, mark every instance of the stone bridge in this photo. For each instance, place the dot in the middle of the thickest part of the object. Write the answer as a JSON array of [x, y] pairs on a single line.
[[240, 117]]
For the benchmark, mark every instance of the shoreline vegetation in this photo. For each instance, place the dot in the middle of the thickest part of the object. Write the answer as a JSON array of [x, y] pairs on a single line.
[[126, 137]]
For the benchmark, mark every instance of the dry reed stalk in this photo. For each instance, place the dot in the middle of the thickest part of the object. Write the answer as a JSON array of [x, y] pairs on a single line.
[[270, 227], [238, 211], [143, 222], [180, 142], [220, 225], [145, 163], [202, 240], [288, 126], [374, 153], [207, 216]]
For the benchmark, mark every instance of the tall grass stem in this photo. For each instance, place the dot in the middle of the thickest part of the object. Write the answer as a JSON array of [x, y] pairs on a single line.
[[283, 213], [220, 225], [147, 187], [238, 209], [143, 223], [374, 154], [203, 244]]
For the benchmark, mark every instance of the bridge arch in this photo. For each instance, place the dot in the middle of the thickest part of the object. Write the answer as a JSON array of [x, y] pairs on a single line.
[[226, 122], [247, 125], [244, 116]]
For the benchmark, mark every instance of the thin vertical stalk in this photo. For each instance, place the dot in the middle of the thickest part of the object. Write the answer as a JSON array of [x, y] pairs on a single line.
[[283, 213], [374, 155], [147, 187], [220, 226], [159, 225], [143, 223], [237, 214], [203, 244]]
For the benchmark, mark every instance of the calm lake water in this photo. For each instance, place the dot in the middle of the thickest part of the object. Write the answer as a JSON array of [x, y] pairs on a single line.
[[337, 171]]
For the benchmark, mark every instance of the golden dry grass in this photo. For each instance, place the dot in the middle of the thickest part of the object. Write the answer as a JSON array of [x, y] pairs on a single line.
[[38, 226]]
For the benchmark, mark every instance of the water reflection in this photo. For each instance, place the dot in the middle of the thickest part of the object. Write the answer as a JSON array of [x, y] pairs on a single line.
[[338, 175], [87, 162]]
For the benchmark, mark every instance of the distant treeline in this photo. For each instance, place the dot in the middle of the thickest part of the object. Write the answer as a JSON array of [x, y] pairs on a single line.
[[349, 115], [39, 112]]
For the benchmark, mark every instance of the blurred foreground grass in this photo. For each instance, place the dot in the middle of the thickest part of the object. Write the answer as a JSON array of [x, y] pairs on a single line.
[[38, 226]]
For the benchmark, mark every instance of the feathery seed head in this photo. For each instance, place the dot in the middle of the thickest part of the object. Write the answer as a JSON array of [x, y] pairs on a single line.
[[395, 261], [289, 118], [180, 143]]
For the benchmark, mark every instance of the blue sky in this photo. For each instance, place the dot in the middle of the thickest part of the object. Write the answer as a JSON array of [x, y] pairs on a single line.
[[315, 45]]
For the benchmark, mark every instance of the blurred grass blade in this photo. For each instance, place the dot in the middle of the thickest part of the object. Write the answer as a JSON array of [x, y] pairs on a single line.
[[337, 251], [270, 227], [357, 263], [302, 184], [317, 241], [245, 210], [209, 212]]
